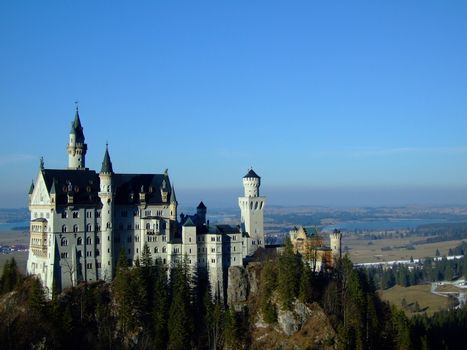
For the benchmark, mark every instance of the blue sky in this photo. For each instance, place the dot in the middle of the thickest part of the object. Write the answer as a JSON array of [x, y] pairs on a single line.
[[366, 99]]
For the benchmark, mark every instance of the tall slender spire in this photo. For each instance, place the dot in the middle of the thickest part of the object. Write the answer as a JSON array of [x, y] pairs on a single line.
[[106, 163], [53, 190], [173, 199], [76, 147], [31, 189], [76, 127]]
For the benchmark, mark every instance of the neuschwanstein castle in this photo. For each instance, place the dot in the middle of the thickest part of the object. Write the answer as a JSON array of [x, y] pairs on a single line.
[[81, 220]]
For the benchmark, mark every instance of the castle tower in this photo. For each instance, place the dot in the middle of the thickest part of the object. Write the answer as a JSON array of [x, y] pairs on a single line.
[[173, 204], [106, 195], [251, 207], [201, 211], [336, 240], [76, 147]]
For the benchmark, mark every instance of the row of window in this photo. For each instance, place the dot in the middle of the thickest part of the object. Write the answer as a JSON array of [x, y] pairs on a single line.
[[214, 238], [156, 238], [79, 241], [88, 228], [75, 214]]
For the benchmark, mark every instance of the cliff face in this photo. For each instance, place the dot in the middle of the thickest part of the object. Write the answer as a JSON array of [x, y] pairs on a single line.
[[305, 326], [242, 285]]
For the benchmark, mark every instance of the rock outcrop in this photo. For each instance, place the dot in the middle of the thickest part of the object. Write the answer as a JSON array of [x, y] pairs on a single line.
[[303, 327], [291, 321], [242, 284]]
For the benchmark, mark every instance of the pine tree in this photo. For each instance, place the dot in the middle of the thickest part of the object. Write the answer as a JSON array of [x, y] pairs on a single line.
[[146, 259], [289, 270], [401, 328], [180, 323], [160, 306], [230, 330], [10, 276], [305, 292]]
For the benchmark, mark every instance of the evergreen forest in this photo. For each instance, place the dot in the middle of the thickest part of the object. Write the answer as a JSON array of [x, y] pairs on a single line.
[[148, 307]]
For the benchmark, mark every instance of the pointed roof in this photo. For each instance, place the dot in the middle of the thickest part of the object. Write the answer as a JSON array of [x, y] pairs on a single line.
[[52, 188], [201, 206], [251, 173], [31, 189], [173, 198], [106, 163], [189, 222], [76, 127]]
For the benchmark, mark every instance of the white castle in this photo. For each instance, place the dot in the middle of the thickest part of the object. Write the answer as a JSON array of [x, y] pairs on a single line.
[[81, 220]]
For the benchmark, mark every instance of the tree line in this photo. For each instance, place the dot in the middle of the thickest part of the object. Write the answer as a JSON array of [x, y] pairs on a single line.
[[148, 307], [430, 270], [145, 307]]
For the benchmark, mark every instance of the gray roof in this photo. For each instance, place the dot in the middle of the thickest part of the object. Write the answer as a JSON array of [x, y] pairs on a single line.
[[251, 173], [106, 163], [173, 198], [40, 220], [130, 185], [53, 190], [189, 222], [224, 229], [84, 186], [201, 206], [31, 188], [76, 127]]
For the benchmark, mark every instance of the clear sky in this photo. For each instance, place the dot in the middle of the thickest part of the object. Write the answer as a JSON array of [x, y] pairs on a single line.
[[331, 102]]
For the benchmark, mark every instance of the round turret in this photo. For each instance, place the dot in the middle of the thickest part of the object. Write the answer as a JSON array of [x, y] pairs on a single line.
[[106, 195], [251, 184], [76, 147], [336, 240]]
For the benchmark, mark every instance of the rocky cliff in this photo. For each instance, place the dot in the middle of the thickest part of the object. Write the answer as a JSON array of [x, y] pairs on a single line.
[[305, 326]]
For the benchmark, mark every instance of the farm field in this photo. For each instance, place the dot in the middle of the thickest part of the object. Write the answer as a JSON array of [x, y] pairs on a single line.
[[14, 238], [428, 302], [361, 251]]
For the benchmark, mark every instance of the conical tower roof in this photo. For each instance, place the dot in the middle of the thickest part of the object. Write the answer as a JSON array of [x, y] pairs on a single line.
[[106, 163], [251, 173], [31, 189], [173, 198], [76, 127], [53, 190]]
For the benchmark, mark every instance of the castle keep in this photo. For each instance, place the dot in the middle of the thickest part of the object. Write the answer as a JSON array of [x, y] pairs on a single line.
[[82, 219]]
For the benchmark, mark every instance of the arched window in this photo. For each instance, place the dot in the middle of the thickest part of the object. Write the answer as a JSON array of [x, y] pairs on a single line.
[[148, 226], [64, 242], [108, 225], [88, 227], [98, 240], [79, 241], [256, 205], [163, 249], [156, 250], [63, 228], [75, 228], [88, 240]]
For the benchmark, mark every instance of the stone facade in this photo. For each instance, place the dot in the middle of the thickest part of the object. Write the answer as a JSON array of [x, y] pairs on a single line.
[[313, 250], [82, 220]]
